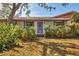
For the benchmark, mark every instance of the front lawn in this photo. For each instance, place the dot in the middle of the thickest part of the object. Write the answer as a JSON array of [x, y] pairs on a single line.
[[50, 47]]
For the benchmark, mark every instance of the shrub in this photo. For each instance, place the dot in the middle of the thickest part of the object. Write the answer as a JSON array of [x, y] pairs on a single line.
[[8, 36], [75, 18], [11, 35], [60, 32], [75, 28], [29, 33], [48, 31], [57, 31]]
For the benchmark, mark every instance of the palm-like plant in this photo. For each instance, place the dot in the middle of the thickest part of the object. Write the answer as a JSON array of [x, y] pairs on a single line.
[[75, 24], [75, 18]]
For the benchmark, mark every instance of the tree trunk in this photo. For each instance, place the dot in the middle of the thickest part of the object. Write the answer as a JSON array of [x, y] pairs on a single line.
[[13, 11], [10, 18]]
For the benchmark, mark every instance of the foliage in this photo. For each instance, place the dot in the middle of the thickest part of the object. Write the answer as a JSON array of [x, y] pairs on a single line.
[[11, 35], [74, 25], [8, 36], [57, 31], [5, 10], [29, 33], [75, 18], [48, 31], [75, 28]]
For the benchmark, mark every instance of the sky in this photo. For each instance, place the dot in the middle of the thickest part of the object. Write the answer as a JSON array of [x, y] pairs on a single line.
[[38, 11]]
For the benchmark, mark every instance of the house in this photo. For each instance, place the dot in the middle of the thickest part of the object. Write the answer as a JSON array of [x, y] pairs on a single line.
[[39, 23]]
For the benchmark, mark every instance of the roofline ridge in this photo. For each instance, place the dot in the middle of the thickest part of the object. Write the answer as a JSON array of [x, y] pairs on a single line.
[[66, 13]]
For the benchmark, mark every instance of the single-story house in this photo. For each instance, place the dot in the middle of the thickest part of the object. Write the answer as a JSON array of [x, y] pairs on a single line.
[[40, 22]]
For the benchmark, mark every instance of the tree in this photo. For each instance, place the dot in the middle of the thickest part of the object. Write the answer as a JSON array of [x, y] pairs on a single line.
[[75, 18], [13, 7], [5, 10], [13, 11], [74, 25]]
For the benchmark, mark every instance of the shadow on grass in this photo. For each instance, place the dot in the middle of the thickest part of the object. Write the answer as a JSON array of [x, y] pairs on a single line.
[[57, 47], [77, 37]]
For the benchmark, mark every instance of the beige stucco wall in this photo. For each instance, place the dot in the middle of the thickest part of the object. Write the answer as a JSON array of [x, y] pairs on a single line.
[[35, 26], [20, 23], [47, 23]]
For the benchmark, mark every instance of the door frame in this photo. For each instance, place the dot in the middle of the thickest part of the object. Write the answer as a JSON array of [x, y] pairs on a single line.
[[36, 26]]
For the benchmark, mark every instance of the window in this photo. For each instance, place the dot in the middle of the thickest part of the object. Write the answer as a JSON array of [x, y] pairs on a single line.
[[14, 22], [29, 24], [59, 23]]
